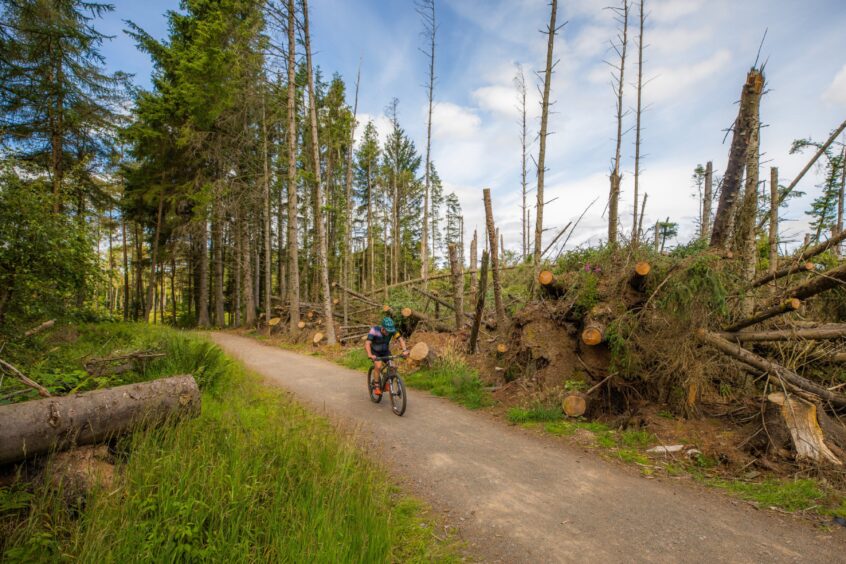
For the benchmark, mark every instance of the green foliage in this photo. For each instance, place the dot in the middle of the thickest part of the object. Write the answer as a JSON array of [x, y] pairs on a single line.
[[356, 359], [536, 413], [631, 456], [255, 477], [453, 379], [701, 286], [790, 495]]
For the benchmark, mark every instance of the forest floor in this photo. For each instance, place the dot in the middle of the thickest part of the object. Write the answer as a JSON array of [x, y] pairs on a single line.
[[515, 495]]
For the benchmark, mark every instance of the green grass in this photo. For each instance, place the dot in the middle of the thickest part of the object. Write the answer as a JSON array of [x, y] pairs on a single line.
[[356, 359], [540, 413], [451, 378], [254, 478], [790, 495]]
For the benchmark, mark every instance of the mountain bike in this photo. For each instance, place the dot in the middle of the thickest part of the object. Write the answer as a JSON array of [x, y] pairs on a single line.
[[390, 382]]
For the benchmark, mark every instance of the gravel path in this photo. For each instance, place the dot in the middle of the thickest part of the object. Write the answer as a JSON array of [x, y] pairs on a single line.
[[517, 497]]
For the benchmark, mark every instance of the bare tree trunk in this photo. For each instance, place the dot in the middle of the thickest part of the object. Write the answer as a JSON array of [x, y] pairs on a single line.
[[217, 259], [474, 284], [640, 219], [748, 216], [500, 309], [318, 217], [480, 302], [457, 285], [614, 195], [371, 251], [348, 193], [773, 235], [743, 131], [520, 81], [639, 111], [203, 290], [707, 199], [293, 241], [268, 275], [125, 269], [237, 268], [426, 9], [247, 273], [547, 81], [840, 199], [151, 285]]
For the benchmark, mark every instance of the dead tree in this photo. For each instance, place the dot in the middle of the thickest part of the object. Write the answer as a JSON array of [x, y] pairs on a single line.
[[480, 303], [268, 274], [494, 255], [639, 111], [786, 306], [743, 131], [820, 333], [772, 239], [707, 200], [349, 198], [474, 283], [426, 9], [520, 83], [41, 426], [293, 237], [322, 259], [840, 196], [547, 81], [615, 178], [457, 286], [825, 281]]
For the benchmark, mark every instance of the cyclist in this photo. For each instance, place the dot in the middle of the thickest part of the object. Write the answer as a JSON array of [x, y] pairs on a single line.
[[378, 345]]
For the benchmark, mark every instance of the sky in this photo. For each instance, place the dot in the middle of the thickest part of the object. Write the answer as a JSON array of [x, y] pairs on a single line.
[[697, 54]]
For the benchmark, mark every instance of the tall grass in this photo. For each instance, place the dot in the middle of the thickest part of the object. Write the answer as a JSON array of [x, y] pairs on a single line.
[[450, 377], [254, 478]]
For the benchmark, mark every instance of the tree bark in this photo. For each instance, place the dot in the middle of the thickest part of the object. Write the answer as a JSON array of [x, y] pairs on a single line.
[[821, 333], [772, 239], [638, 110], [457, 286], [494, 254], [347, 276], [247, 274], [151, 284], [427, 11], [474, 249], [707, 198], [57, 423], [840, 196], [125, 269], [614, 195], [203, 291], [268, 275], [743, 130], [825, 281], [786, 306], [480, 303]]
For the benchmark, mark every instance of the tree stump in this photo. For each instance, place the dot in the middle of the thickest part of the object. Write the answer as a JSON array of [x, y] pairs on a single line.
[[574, 405], [800, 418], [422, 354]]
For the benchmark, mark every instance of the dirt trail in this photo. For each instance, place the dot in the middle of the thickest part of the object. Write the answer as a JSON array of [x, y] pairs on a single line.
[[517, 497]]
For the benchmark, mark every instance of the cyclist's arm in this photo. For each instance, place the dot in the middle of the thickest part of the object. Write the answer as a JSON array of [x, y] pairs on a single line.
[[369, 350], [402, 344]]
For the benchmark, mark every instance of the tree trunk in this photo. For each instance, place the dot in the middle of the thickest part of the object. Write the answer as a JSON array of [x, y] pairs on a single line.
[[41, 426], [151, 285], [427, 11], [825, 281], [821, 333], [800, 418], [247, 273], [614, 195], [744, 128], [322, 258], [268, 275], [347, 277], [474, 283], [480, 303], [773, 234], [203, 291], [497, 288], [293, 241], [457, 286], [786, 306], [707, 200], [547, 81], [125, 269], [840, 195], [638, 112], [217, 260]]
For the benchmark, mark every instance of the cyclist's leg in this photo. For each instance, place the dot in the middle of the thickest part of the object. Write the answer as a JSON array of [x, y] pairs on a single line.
[[377, 370]]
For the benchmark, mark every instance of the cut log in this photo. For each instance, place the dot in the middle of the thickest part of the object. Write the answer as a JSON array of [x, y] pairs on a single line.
[[551, 286], [274, 321], [638, 278], [301, 324], [786, 306], [480, 303], [422, 353], [781, 273], [825, 281], [316, 338], [821, 333], [593, 331], [574, 405], [501, 348], [788, 376], [41, 426], [800, 418]]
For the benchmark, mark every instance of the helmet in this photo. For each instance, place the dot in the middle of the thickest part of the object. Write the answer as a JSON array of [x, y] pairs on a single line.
[[389, 325]]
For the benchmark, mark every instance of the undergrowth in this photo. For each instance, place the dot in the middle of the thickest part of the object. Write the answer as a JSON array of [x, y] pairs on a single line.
[[254, 478]]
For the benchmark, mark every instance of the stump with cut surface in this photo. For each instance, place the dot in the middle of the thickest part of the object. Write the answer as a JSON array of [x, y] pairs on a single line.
[[56, 423], [800, 418], [423, 354], [574, 405]]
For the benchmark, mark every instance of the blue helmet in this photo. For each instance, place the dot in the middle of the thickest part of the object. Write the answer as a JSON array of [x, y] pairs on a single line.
[[389, 325]]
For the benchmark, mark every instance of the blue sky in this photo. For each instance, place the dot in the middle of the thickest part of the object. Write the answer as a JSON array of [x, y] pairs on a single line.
[[698, 52]]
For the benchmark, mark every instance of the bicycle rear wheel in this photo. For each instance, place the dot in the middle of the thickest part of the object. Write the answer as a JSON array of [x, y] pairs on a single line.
[[398, 397], [370, 387]]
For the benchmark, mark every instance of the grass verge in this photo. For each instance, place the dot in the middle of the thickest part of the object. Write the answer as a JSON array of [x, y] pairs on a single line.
[[254, 478]]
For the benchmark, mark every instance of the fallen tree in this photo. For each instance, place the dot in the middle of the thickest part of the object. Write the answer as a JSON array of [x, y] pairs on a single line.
[[823, 332], [57, 423]]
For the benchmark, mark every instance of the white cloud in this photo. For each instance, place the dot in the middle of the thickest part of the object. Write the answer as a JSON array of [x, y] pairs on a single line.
[[667, 11], [836, 91], [451, 121], [670, 83]]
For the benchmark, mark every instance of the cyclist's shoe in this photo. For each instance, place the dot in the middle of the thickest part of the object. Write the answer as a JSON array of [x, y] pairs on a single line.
[[377, 390]]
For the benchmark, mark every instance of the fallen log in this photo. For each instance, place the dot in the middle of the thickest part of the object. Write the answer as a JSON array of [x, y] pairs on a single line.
[[593, 331], [552, 286], [821, 333], [417, 317], [316, 338], [440, 301], [786, 306], [800, 418], [764, 365], [41, 426], [638, 278], [358, 296], [40, 328], [5, 367], [824, 281], [781, 273]]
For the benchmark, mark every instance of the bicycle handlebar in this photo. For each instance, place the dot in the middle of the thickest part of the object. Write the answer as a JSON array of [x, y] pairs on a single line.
[[391, 357]]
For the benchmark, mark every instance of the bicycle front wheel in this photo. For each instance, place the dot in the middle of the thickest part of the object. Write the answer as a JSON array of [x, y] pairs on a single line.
[[398, 397], [375, 398]]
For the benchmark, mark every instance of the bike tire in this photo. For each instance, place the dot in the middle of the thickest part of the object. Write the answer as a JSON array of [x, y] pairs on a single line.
[[373, 397], [399, 398]]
